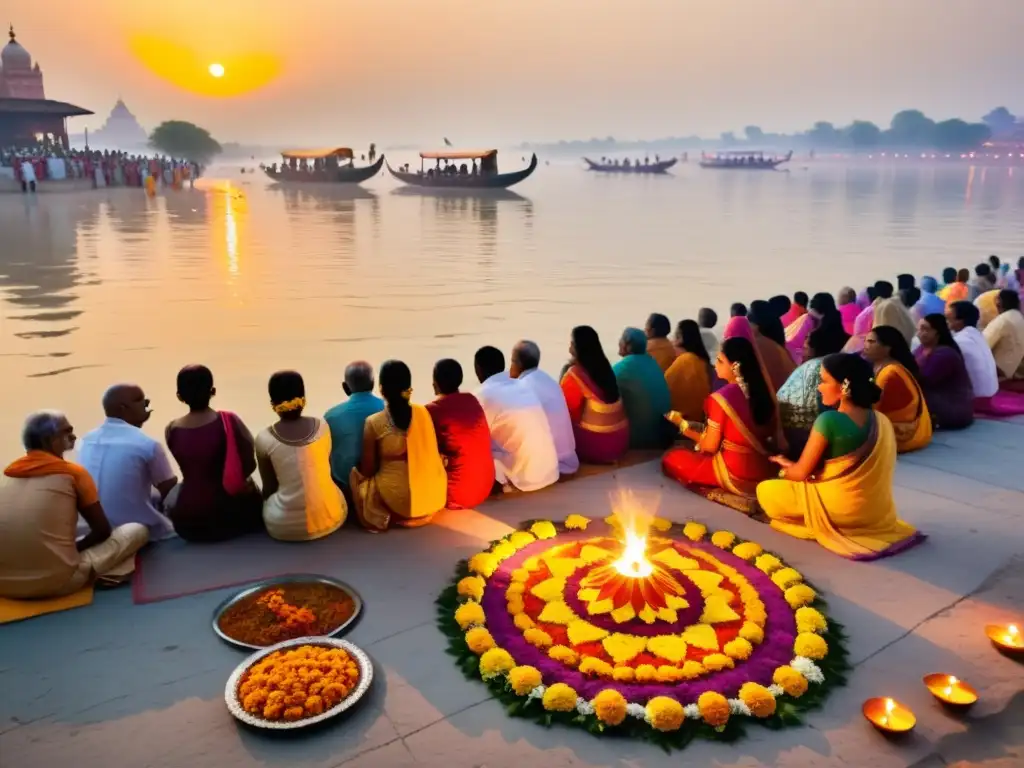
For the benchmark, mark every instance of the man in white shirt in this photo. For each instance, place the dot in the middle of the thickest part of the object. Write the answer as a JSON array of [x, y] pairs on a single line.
[[962, 317], [521, 441], [28, 176], [127, 464], [1005, 337], [525, 368]]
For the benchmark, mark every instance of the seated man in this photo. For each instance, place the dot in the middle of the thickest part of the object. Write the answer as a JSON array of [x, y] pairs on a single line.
[[346, 421], [41, 497], [127, 464], [1005, 337], [525, 368], [707, 319], [463, 438], [962, 318], [644, 393], [521, 442], [658, 345]]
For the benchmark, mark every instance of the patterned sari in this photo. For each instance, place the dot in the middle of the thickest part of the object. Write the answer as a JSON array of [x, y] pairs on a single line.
[[797, 333], [601, 428], [742, 460], [903, 402], [848, 508]]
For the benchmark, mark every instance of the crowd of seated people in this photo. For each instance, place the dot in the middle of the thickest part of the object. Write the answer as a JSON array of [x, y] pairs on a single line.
[[811, 446]]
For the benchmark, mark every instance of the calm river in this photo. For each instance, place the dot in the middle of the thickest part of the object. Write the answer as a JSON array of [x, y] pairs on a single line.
[[107, 286]]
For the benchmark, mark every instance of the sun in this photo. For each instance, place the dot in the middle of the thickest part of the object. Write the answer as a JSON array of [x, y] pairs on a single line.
[[216, 70]]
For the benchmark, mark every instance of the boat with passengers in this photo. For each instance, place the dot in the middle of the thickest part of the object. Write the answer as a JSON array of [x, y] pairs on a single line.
[[462, 169], [332, 165], [608, 165], [744, 160]]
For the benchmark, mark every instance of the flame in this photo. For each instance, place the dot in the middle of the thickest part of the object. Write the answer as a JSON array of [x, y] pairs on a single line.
[[890, 705], [634, 560], [635, 519]]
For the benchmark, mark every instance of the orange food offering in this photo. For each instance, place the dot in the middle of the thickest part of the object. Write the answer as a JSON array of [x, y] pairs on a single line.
[[287, 612], [298, 683]]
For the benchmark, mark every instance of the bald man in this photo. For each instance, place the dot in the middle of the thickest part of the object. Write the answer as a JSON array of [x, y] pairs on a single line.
[[130, 468], [346, 420]]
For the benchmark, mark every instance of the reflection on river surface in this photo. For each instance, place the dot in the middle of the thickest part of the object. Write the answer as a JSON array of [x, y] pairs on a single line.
[[248, 277]]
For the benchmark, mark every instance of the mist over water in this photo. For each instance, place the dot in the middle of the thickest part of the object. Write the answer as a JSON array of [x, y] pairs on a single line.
[[99, 287]]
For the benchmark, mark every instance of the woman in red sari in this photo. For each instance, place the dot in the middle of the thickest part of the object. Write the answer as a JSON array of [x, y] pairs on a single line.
[[598, 418], [732, 450]]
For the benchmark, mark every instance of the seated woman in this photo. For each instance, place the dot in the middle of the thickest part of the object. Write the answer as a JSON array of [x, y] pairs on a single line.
[[732, 451], [896, 373], [644, 393], [216, 499], [598, 417], [400, 478], [799, 400], [839, 493], [944, 379], [689, 376], [41, 497], [301, 501], [463, 438], [770, 340], [863, 323]]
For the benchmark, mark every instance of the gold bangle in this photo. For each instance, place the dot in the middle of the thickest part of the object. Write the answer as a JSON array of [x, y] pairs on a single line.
[[782, 473], [683, 425]]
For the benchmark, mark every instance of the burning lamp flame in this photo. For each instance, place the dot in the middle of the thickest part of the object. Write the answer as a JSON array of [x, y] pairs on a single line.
[[634, 561]]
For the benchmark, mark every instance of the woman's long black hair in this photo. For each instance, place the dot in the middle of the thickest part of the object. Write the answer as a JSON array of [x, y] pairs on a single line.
[[590, 356], [857, 374], [938, 323], [899, 350], [762, 405], [832, 334], [395, 383], [688, 334], [768, 323]]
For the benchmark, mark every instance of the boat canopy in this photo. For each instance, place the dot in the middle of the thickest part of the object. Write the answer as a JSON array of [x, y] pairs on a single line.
[[741, 153], [316, 154], [459, 154]]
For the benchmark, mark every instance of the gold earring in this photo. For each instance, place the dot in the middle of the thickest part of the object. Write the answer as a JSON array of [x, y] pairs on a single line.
[[845, 389]]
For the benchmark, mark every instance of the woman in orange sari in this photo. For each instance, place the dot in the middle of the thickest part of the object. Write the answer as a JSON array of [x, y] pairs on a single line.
[[770, 340], [902, 400], [732, 450], [839, 492], [598, 417], [689, 376]]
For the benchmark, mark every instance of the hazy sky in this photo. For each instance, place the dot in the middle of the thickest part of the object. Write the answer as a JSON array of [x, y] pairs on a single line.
[[498, 71]]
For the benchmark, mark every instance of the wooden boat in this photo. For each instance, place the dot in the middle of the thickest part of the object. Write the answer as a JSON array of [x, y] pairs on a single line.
[[450, 176], [744, 160], [306, 166], [659, 166]]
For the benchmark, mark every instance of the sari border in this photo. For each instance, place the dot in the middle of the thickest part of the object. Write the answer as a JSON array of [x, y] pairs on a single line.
[[861, 454], [755, 444], [917, 537]]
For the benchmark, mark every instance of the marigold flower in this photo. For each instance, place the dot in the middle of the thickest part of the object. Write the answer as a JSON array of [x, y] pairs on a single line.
[[537, 637], [503, 550], [723, 539], [810, 620], [755, 612], [716, 662], [786, 577], [694, 531], [752, 633], [523, 622], [495, 662], [665, 714], [767, 563], [666, 673], [799, 595], [564, 654], [591, 665], [792, 682], [520, 539], [738, 648], [483, 563], [759, 700], [520, 576], [609, 706], [623, 674], [471, 587], [514, 589], [479, 640], [714, 708], [523, 679], [515, 605], [646, 673], [470, 614], [544, 529], [577, 522], [748, 550], [559, 698], [811, 646], [692, 670], [661, 524]]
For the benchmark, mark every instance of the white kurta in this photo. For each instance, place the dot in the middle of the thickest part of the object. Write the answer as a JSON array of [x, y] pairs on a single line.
[[521, 441], [552, 400], [981, 366]]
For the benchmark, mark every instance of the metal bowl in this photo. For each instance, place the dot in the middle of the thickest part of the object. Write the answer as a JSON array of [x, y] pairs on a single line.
[[298, 578], [365, 678]]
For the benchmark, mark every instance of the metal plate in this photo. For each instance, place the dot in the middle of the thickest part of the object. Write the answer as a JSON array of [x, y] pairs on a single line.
[[365, 678], [298, 578]]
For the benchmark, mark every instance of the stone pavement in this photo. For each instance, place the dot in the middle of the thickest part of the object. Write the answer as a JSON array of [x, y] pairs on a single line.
[[116, 685]]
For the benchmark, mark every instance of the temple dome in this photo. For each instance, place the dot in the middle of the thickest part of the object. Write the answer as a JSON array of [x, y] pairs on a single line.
[[14, 56]]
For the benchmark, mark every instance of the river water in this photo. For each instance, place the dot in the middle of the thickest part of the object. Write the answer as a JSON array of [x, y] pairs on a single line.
[[106, 286]]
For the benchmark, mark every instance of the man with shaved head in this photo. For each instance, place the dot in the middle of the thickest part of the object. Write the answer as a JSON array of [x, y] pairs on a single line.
[[127, 464], [346, 421], [526, 368]]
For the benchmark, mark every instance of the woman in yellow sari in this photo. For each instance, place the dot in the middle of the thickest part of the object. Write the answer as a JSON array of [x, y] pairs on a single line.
[[839, 493], [401, 478], [689, 376], [902, 400]]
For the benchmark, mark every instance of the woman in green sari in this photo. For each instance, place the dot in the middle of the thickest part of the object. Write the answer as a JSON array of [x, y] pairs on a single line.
[[799, 399]]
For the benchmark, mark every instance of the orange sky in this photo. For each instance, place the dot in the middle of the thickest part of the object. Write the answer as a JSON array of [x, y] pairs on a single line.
[[512, 70]]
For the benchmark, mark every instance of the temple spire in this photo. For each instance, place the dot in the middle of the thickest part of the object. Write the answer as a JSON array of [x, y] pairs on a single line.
[[10, 32]]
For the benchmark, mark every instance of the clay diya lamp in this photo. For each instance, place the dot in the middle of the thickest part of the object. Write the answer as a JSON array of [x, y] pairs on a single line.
[[950, 690], [888, 715]]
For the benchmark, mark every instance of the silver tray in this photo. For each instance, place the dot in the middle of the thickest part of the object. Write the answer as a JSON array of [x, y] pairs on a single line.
[[365, 678], [298, 578]]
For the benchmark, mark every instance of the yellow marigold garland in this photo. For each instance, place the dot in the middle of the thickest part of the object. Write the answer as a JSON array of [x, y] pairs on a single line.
[[694, 531], [543, 529], [713, 708], [786, 577], [748, 550], [523, 679], [495, 662], [810, 645], [479, 640], [793, 683], [470, 614], [799, 595], [723, 539], [759, 700], [559, 698], [483, 564], [521, 539], [664, 714], [810, 620], [577, 522], [609, 706]]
